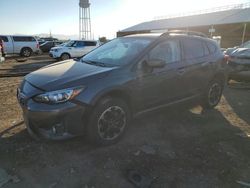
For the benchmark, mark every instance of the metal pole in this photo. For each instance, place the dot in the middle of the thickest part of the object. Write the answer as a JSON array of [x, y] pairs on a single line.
[[79, 22], [244, 33], [89, 24], [84, 25], [212, 27]]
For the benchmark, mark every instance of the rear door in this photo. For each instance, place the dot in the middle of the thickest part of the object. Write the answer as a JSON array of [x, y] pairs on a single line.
[[89, 46], [23, 41], [198, 65], [8, 45], [160, 86], [78, 50]]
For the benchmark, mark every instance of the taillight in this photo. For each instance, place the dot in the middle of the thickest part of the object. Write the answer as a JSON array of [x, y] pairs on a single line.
[[226, 58], [37, 45], [1, 44]]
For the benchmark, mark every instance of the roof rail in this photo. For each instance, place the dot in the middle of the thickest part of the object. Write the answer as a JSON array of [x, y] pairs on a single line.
[[192, 33]]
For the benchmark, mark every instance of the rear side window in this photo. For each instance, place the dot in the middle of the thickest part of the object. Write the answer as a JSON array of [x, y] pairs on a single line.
[[23, 39], [90, 43], [212, 47], [4, 38], [193, 48]]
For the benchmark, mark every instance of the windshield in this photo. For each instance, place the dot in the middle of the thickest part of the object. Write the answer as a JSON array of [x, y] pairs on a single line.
[[118, 51], [70, 43]]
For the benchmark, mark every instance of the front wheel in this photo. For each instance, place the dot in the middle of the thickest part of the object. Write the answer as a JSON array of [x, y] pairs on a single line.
[[213, 94], [65, 56], [108, 121]]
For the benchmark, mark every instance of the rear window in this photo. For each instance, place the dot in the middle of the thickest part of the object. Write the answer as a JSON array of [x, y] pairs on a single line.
[[193, 48], [23, 39], [4, 38], [212, 47], [90, 43], [206, 50]]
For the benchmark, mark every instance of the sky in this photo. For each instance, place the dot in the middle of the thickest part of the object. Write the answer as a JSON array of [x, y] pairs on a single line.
[[32, 17]]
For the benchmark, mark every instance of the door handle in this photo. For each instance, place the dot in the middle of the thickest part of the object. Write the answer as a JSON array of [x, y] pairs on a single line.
[[181, 71], [203, 64]]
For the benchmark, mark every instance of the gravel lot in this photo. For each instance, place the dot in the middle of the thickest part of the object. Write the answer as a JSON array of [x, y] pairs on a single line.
[[177, 147]]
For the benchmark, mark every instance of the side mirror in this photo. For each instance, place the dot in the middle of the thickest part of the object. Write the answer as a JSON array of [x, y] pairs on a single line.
[[156, 63], [77, 58]]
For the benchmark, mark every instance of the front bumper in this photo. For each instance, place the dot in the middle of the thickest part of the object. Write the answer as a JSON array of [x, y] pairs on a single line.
[[237, 65], [55, 122], [54, 54], [62, 123]]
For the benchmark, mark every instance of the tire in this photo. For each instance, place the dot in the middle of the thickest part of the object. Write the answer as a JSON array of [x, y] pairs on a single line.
[[213, 94], [108, 121], [26, 52], [65, 56]]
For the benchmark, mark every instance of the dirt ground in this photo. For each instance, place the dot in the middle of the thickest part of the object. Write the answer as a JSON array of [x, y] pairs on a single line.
[[178, 147]]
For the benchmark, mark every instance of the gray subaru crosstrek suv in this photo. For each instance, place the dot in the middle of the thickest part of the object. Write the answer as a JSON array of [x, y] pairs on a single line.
[[98, 94]]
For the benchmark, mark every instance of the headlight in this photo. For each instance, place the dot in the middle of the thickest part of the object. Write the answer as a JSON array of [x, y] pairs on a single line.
[[60, 96]]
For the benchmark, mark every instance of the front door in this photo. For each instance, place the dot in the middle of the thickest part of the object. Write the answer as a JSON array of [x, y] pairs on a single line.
[[78, 50], [159, 86]]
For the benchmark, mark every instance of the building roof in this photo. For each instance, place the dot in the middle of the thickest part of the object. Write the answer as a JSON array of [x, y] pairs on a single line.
[[240, 15]]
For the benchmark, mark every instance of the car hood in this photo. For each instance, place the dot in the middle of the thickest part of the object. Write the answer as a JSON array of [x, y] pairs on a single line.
[[57, 48], [241, 53], [65, 74]]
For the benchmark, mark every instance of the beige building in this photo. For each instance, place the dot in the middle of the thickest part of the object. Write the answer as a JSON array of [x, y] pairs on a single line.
[[230, 23]]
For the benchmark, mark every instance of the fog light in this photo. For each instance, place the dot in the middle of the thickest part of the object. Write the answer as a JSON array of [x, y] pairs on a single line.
[[58, 129]]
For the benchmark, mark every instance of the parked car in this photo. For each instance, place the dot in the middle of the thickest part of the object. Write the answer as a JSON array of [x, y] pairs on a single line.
[[49, 39], [231, 50], [46, 46], [99, 94], [22, 45], [46, 39], [73, 49], [239, 64]]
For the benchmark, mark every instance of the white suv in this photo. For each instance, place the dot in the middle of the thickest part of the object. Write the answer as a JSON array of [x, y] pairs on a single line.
[[73, 48], [22, 45]]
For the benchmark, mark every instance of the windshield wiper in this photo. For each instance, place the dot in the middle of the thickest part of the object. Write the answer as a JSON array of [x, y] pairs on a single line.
[[100, 64]]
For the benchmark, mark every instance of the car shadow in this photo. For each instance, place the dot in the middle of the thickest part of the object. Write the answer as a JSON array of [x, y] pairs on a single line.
[[236, 109], [32, 65], [227, 116], [182, 143]]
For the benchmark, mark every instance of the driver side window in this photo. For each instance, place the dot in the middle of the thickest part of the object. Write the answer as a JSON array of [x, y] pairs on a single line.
[[167, 51], [79, 44]]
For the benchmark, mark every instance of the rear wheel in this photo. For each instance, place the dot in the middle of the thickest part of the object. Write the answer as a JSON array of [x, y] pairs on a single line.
[[213, 94], [108, 121], [65, 56], [26, 52]]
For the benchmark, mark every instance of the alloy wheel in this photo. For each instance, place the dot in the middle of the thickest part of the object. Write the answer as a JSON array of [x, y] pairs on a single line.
[[111, 123], [214, 94]]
